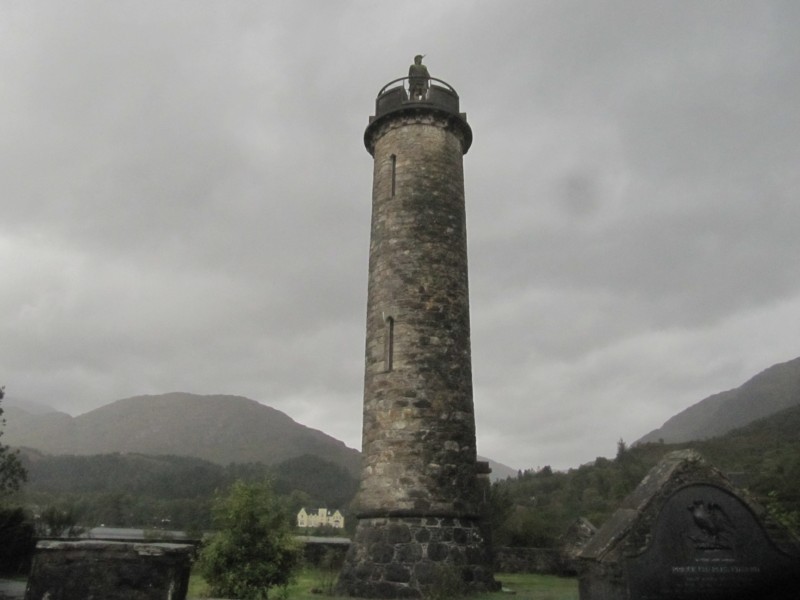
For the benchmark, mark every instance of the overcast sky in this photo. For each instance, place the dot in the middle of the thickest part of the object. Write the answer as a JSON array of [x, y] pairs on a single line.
[[185, 204]]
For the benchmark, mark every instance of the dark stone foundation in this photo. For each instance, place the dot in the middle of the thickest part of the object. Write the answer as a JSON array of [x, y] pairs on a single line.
[[407, 557]]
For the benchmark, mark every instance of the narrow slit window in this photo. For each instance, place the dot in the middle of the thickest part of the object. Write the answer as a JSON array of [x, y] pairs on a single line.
[[393, 159], [388, 358]]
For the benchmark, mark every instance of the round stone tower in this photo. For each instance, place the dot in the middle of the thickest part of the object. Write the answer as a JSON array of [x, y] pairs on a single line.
[[422, 491]]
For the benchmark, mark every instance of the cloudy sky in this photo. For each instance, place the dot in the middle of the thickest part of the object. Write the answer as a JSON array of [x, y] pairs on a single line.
[[185, 204]]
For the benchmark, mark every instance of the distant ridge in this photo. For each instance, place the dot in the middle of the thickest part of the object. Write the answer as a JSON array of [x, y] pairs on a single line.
[[218, 428], [774, 389]]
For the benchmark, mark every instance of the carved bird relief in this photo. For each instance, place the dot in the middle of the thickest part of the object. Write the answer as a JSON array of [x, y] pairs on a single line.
[[713, 525]]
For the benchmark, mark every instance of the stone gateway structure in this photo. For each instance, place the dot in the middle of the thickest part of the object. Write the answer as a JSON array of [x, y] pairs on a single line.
[[422, 490]]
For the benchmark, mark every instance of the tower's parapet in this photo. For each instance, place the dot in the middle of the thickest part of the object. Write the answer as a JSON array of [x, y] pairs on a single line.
[[439, 98]]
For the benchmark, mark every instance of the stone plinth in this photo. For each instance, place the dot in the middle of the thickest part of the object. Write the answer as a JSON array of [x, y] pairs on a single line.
[[80, 570], [405, 557]]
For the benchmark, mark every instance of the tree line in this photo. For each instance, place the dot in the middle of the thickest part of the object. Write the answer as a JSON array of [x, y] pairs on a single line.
[[168, 492], [538, 506]]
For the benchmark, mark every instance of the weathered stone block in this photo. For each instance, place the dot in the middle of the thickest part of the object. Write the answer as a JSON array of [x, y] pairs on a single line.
[[423, 536], [398, 573], [437, 551], [381, 552], [409, 553], [398, 534], [79, 570], [425, 573]]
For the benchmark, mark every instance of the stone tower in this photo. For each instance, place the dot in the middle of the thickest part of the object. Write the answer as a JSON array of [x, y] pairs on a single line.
[[422, 490]]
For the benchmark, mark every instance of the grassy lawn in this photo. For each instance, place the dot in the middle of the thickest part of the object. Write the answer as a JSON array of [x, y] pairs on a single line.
[[537, 587], [524, 587]]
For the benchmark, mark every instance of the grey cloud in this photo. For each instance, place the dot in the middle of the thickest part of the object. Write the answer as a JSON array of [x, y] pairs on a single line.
[[186, 203]]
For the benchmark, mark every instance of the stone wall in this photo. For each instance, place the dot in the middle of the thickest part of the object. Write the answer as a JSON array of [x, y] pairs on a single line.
[[81, 570]]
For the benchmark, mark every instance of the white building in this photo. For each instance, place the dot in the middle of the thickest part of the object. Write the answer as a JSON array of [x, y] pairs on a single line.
[[322, 517]]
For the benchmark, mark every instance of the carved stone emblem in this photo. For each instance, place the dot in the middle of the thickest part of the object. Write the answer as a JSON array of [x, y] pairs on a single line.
[[713, 529]]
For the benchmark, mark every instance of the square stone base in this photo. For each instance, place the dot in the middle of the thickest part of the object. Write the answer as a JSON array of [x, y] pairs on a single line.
[[410, 557]]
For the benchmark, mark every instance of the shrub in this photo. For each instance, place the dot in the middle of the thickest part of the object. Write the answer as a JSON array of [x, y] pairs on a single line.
[[254, 549], [17, 542]]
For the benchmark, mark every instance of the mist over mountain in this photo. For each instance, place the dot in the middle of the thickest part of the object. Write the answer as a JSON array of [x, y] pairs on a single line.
[[774, 389], [226, 429], [219, 428]]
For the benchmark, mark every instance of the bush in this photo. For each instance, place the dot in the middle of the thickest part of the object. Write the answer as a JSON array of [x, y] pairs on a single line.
[[254, 549], [17, 542]]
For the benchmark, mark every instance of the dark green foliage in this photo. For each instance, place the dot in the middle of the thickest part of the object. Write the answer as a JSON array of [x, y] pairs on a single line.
[[157, 476], [328, 563], [130, 490], [325, 483], [54, 522], [169, 492], [12, 473], [254, 548], [537, 507], [17, 542], [448, 583]]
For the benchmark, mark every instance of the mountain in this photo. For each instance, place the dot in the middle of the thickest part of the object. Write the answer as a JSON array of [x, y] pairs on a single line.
[[218, 428], [774, 389], [29, 406], [499, 470]]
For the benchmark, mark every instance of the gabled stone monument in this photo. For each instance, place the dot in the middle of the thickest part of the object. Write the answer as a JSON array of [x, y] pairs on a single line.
[[687, 533], [422, 490]]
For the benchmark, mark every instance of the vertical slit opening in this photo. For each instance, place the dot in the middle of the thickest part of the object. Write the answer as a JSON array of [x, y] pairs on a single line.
[[393, 159], [388, 357]]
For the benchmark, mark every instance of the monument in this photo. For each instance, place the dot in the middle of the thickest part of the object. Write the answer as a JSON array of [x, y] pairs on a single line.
[[85, 569], [686, 533], [422, 490]]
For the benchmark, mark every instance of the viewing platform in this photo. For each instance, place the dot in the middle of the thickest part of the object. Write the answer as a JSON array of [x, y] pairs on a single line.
[[438, 96]]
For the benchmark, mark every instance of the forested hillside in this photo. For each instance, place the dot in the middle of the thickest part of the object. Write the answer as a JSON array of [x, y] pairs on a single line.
[[171, 492], [536, 507], [532, 509]]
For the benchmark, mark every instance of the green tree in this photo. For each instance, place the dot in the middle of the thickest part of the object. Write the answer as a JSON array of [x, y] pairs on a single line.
[[12, 473], [17, 542], [254, 548], [54, 522]]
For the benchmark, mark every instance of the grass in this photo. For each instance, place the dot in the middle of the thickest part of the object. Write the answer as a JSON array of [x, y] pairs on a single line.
[[527, 586], [524, 586]]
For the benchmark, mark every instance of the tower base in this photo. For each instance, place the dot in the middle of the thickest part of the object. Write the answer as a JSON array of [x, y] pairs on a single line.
[[412, 557]]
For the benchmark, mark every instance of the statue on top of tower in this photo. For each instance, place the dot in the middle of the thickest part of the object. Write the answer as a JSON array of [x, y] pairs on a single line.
[[418, 79]]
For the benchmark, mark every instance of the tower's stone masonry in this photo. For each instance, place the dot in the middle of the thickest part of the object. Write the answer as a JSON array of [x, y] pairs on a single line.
[[398, 557], [422, 491], [419, 431]]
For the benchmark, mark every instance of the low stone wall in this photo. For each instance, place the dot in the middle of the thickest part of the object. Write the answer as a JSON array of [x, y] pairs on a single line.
[[544, 561], [77, 570]]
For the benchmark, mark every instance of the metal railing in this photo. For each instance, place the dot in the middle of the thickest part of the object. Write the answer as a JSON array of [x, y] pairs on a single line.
[[398, 94]]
